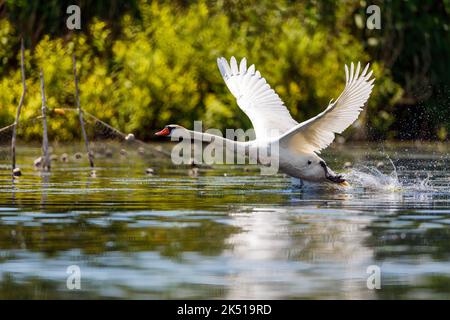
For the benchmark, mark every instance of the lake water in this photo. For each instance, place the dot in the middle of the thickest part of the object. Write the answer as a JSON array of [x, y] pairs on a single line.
[[227, 232]]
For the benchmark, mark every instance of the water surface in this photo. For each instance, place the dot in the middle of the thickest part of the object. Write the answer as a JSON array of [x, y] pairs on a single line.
[[227, 232]]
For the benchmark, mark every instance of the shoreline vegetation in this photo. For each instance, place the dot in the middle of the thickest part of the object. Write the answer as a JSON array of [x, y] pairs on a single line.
[[142, 65]]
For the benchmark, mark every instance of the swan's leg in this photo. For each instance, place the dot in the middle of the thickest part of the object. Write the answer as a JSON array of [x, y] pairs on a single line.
[[297, 183]]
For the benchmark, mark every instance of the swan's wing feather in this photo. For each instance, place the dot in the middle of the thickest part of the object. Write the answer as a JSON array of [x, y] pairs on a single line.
[[266, 110], [318, 133]]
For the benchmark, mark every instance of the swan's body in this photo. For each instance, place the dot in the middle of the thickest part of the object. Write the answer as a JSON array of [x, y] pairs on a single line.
[[298, 144]]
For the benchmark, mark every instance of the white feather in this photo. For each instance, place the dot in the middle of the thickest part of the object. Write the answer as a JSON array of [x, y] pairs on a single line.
[[256, 98], [318, 133]]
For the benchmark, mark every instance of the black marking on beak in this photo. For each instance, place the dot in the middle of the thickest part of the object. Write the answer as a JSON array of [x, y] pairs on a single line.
[[335, 179]]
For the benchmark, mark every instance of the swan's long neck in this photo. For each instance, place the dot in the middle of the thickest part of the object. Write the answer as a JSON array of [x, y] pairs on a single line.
[[208, 137], [238, 147], [255, 151]]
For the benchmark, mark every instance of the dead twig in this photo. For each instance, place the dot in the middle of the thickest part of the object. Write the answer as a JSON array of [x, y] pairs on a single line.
[[46, 159], [19, 108], [80, 112]]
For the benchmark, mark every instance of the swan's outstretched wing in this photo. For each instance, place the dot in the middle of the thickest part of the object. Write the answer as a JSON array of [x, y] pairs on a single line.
[[317, 133], [256, 98]]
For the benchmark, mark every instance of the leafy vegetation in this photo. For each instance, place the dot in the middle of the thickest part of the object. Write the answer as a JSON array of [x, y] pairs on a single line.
[[146, 64]]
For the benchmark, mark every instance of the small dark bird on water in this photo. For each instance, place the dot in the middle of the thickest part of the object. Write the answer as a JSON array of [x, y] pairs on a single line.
[[129, 137], [64, 157], [38, 162], [17, 172]]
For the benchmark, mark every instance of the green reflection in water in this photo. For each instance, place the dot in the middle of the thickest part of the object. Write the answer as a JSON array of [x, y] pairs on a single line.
[[223, 232]]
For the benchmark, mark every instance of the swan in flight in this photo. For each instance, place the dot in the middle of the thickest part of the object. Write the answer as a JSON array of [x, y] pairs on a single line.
[[298, 143]]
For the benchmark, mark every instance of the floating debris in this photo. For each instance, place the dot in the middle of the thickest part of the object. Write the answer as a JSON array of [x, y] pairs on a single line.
[[64, 157], [380, 164], [17, 172], [149, 171], [348, 165], [129, 137], [38, 162], [193, 172]]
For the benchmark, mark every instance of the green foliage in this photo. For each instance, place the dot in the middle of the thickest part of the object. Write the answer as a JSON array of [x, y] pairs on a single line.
[[161, 67], [38, 18], [413, 45]]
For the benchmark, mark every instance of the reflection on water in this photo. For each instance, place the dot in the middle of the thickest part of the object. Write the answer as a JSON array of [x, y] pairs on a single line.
[[226, 232]]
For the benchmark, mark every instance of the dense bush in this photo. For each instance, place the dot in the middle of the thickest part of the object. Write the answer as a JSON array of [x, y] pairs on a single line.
[[160, 67]]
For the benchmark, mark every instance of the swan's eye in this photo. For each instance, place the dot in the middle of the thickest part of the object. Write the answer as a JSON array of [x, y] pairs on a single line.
[[309, 162]]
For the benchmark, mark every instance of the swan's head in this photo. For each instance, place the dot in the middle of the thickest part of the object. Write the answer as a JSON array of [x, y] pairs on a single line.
[[169, 130], [316, 169]]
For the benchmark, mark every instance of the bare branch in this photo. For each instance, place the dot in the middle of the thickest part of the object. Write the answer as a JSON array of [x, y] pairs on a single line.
[[46, 159], [19, 108], [80, 112]]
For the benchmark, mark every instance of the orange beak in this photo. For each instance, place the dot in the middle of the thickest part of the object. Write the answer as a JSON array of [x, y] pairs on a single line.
[[163, 132]]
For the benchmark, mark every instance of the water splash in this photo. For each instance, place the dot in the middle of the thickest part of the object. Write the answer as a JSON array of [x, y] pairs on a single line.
[[422, 184], [366, 177], [372, 178]]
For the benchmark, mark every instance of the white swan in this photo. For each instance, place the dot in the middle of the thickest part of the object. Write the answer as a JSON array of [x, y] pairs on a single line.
[[298, 143]]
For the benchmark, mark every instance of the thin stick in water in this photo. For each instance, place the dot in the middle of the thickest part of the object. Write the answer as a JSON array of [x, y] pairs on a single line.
[[121, 134], [19, 108], [46, 159], [80, 112]]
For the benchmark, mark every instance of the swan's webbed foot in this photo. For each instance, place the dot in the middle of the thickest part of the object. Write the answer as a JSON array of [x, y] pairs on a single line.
[[297, 182], [336, 179]]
